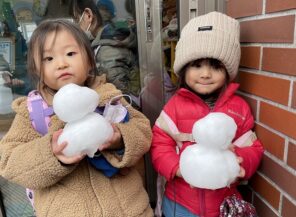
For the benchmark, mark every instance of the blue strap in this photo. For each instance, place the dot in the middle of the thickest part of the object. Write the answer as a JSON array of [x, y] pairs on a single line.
[[103, 165], [99, 161]]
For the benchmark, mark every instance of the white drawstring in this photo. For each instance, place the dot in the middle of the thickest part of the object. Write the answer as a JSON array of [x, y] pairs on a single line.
[[116, 98]]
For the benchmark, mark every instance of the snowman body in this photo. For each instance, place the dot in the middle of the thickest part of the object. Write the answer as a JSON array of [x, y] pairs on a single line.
[[209, 163], [85, 130]]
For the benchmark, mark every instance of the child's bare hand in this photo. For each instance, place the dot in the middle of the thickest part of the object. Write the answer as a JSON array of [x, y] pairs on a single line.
[[57, 150], [242, 171], [231, 147], [178, 173], [115, 142]]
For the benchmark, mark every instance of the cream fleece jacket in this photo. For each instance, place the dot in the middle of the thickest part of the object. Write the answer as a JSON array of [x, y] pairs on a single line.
[[76, 190]]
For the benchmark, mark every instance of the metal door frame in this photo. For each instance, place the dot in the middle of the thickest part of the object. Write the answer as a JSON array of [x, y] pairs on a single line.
[[150, 55], [151, 66]]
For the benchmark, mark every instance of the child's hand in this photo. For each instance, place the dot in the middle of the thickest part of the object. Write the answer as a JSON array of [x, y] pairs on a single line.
[[231, 147], [115, 142], [178, 173], [57, 150], [242, 171]]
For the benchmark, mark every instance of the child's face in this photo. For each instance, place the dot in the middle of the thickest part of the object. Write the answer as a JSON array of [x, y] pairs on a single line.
[[63, 61], [204, 78]]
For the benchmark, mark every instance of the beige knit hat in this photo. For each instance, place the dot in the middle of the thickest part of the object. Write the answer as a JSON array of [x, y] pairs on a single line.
[[214, 35]]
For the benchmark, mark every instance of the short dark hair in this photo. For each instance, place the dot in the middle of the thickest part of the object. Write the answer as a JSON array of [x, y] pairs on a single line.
[[37, 41], [76, 8]]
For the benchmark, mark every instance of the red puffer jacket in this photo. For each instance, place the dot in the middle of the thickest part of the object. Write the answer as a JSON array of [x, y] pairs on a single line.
[[184, 109]]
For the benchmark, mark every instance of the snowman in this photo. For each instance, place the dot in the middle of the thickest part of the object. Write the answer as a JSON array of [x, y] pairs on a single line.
[[85, 129], [210, 164]]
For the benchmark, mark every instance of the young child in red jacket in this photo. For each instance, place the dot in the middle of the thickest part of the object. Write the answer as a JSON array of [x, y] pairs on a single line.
[[207, 61]]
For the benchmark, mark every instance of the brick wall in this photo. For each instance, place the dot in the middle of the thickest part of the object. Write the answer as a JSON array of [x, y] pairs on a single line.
[[268, 82]]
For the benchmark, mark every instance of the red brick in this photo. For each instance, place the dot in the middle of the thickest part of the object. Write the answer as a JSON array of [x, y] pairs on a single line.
[[273, 143], [291, 155], [252, 103], [273, 30], [262, 209], [279, 5], [250, 57], [278, 119], [275, 89], [289, 209], [294, 96], [243, 8], [266, 190], [280, 60], [279, 175]]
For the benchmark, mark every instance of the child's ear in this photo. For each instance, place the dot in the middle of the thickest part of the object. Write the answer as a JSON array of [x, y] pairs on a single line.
[[88, 14]]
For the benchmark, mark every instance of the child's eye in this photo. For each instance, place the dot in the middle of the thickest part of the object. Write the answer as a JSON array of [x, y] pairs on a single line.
[[47, 59], [72, 53]]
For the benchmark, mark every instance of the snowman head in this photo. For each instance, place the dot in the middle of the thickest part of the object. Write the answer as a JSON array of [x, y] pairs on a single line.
[[73, 102], [216, 130]]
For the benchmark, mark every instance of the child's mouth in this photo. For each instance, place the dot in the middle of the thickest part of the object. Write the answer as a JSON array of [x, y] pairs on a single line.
[[65, 75]]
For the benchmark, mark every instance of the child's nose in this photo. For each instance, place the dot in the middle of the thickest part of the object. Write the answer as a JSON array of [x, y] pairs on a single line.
[[206, 72], [62, 64]]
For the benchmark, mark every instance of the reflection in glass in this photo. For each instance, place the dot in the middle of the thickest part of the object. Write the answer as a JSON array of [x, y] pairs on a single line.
[[27, 29]]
